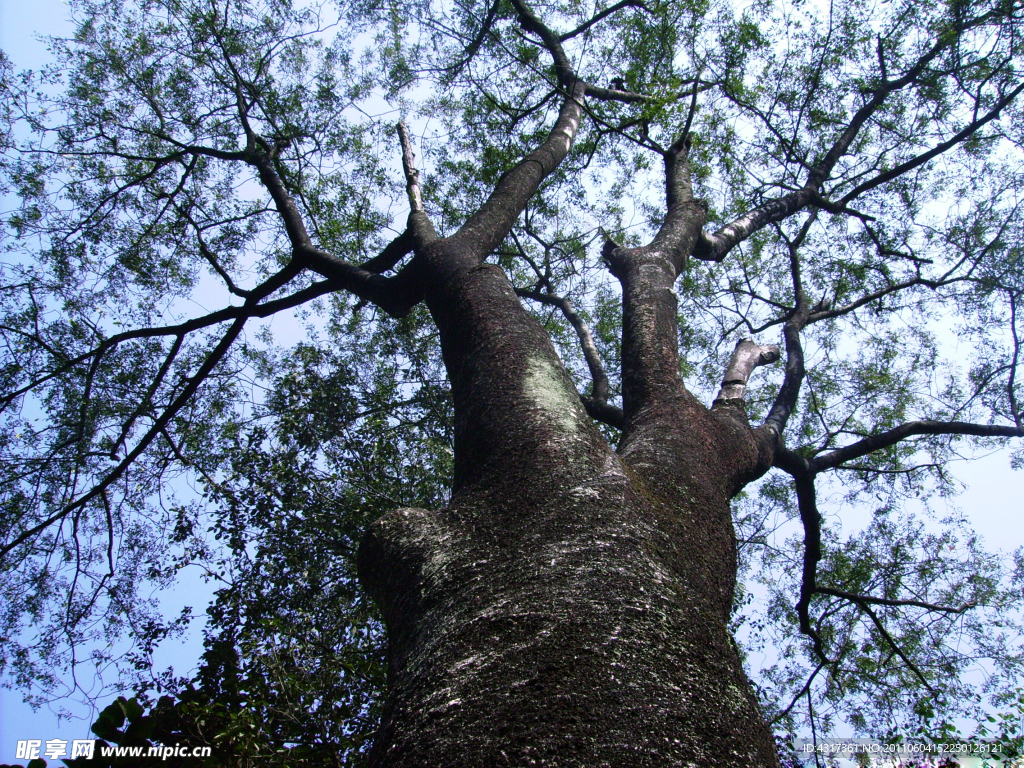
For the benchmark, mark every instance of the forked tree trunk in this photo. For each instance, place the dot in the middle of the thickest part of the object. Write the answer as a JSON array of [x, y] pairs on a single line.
[[570, 607]]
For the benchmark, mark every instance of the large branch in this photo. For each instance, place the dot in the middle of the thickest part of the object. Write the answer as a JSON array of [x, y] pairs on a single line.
[[192, 384], [248, 310], [471, 50], [210, 256], [804, 471], [190, 388], [144, 401], [294, 224], [530, 22], [910, 429], [650, 342], [714, 247], [685, 215], [881, 293], [238, 317], [864, 606], [395, 295], [567, 76], [613, 94], [856, 598], [802, 692], [803, 314], [747, 355], [935, 151], [811, 519], [602, 15], [393, 253], [420, 226], [786, 399], [244, 312], [485, 229]]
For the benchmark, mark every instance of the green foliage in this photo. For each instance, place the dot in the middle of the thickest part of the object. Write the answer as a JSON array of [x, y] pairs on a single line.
[[176, 729], [291, 640], [869, 685]]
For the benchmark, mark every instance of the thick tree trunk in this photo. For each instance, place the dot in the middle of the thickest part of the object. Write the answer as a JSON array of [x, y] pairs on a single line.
[[570, 607], [578, 633]]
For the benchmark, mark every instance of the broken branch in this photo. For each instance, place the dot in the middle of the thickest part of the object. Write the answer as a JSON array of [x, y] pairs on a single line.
[[745, 358]]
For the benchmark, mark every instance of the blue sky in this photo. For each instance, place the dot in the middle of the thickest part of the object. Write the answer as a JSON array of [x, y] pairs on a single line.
[[21, 23]]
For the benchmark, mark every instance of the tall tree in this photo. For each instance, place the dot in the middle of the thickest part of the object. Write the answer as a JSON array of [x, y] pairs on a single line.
[[847, 179]]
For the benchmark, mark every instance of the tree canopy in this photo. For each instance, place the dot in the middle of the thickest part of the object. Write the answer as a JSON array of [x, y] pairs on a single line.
[[186, 171]]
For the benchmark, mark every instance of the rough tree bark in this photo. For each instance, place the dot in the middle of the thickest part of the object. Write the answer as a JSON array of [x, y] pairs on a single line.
[[570, 607]]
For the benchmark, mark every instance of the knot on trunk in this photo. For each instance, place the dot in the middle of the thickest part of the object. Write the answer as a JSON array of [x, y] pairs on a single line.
[[391, 561]]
